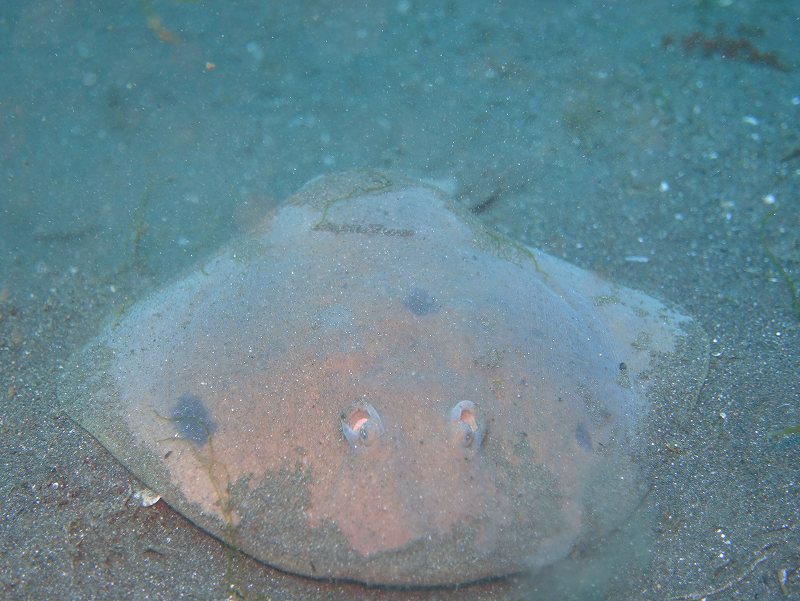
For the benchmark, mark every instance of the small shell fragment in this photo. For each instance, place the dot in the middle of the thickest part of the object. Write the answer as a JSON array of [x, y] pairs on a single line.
[[144, 497]]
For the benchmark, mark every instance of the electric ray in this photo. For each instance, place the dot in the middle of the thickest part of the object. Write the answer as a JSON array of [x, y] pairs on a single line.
[[375, 387]]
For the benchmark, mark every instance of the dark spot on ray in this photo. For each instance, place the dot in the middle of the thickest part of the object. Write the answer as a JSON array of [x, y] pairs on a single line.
[[419, 302], [192, 419], [583, 437]]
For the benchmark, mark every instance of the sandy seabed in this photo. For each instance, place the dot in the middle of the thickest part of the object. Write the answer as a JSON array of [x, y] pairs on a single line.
[[654, 143]]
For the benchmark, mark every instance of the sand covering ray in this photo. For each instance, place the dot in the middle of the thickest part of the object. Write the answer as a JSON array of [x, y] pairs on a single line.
[[375, 387]]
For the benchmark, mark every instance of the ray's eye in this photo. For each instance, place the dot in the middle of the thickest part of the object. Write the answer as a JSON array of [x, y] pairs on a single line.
[[467, 425], [361, 424]]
